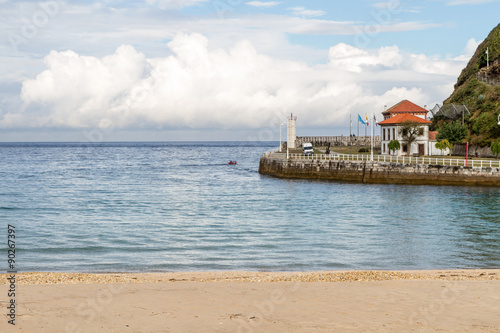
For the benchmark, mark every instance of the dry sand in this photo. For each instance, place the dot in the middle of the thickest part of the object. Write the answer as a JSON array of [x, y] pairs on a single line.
[[416, 301]]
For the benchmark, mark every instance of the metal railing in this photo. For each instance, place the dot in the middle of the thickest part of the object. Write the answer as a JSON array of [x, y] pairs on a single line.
[[392, 159], [272, 151]]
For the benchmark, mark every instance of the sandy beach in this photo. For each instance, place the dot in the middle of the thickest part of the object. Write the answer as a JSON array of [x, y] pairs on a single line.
[[358, 301]]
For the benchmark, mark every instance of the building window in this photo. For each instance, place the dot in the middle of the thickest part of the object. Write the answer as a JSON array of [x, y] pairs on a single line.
[[384, 144], [394, 134], [389, 134], [383, 131], [421, 131], [405, 148]]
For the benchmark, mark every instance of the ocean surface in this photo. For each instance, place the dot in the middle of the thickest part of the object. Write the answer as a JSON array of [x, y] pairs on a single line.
[[178, 206]]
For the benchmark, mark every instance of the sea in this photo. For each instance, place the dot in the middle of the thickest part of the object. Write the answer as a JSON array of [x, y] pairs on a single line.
[[179, 206]]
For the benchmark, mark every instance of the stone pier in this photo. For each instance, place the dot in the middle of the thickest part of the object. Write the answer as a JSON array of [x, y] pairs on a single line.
[[379, 172]]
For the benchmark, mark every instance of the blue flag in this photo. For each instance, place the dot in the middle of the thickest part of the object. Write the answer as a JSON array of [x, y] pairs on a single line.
[[361, 119]]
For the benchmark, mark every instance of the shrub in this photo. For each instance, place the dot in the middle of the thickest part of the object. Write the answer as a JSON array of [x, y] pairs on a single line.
[[394, 145], [495, 148], [453, 132], [443, 145]]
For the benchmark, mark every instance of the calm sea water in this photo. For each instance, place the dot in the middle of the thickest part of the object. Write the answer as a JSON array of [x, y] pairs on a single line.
[[178, 206]]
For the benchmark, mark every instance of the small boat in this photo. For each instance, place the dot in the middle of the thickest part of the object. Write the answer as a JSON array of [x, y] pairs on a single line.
[[232, 163]]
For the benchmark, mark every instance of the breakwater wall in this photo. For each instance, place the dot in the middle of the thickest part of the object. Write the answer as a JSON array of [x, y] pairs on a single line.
[[379, 172]]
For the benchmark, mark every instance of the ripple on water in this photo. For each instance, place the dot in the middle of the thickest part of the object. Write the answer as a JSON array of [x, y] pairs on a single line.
[[179, 206]]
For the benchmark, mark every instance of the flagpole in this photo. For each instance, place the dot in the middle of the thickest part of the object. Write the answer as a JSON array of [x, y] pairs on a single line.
[[357, 138], [373, 120], [350, 126], [358, 125]]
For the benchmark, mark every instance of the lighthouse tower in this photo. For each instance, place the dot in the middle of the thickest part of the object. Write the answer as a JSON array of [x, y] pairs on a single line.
[[292, 132]]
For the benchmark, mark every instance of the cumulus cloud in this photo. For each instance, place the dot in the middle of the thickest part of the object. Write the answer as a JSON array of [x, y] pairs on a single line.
[[265, 4], [238, 87], [471, 47], [354, 59]]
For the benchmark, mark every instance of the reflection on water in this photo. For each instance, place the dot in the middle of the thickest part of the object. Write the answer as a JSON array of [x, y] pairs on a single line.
[[179, 206]]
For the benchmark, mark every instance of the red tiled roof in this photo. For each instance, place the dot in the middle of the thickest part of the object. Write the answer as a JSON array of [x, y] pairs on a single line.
[[405, 106], [433, 135], [404, 117]]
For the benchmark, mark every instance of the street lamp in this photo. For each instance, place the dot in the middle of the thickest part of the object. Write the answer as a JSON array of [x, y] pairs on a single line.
[[281, 125], [287, 154], [498, 120], [371, 142]]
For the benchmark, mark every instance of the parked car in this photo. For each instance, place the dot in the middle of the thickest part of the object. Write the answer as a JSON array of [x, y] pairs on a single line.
[[307, 148]]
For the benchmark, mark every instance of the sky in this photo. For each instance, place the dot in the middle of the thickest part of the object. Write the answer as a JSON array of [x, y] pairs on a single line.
[[191, 70]]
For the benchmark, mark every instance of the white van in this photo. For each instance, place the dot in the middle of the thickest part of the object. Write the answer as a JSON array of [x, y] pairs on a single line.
[[307, 148]]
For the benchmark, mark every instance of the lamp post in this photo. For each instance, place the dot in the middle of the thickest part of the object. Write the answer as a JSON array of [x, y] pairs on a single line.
[[281, 125], [373, 120], [287, 154], [287, 151]]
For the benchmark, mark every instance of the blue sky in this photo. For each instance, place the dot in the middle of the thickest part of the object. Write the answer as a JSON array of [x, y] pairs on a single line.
[[224, 69]]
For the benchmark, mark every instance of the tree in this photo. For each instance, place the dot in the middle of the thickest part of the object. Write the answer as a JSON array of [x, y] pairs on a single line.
[[394, 145], [495, 148], [443, 145], [453, 132], [410, 131]]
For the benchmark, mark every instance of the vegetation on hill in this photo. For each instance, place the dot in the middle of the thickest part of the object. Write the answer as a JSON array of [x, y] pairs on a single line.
[[482, 99], [453, 132]]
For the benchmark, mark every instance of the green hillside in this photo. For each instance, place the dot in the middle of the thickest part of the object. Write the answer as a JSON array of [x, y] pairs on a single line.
[[482, 99]]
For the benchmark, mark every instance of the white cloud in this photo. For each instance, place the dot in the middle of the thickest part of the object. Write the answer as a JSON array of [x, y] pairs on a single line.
[[395, 6], [170, 4], [468, 2], [471, 47], [469, 50], [199, 87], [354, 59], [265, 4], [301, 11]]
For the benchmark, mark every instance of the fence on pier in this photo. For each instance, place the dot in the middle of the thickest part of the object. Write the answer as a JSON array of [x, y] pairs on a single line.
[[323, 141], [392, 159]]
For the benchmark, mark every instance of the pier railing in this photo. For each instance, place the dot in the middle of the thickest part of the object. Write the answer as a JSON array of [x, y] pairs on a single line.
[[392, 159]]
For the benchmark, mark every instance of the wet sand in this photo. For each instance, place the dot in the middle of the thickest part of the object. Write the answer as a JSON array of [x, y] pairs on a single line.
[[358, 301]]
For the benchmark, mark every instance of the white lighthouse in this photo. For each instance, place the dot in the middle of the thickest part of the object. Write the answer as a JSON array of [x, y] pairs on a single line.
[[292, 132]]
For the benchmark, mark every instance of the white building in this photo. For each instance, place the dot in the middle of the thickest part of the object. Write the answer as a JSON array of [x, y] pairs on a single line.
[[292, 132], [391, 127]]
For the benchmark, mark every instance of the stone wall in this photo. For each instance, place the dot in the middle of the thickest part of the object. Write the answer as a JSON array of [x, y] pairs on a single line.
[[490, 75], [482, 152], [380, 172]]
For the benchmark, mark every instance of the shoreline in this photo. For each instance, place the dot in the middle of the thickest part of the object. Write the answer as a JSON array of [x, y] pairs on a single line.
[[245, 302], [43, 278]]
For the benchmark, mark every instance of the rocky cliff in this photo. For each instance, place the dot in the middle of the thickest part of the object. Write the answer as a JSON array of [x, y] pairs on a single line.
[[478, 87]]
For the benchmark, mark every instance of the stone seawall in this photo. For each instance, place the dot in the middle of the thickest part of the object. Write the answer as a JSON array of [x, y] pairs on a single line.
[[380, 172]]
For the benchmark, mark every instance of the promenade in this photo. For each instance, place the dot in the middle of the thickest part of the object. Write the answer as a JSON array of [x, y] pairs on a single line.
[[382, 169]]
